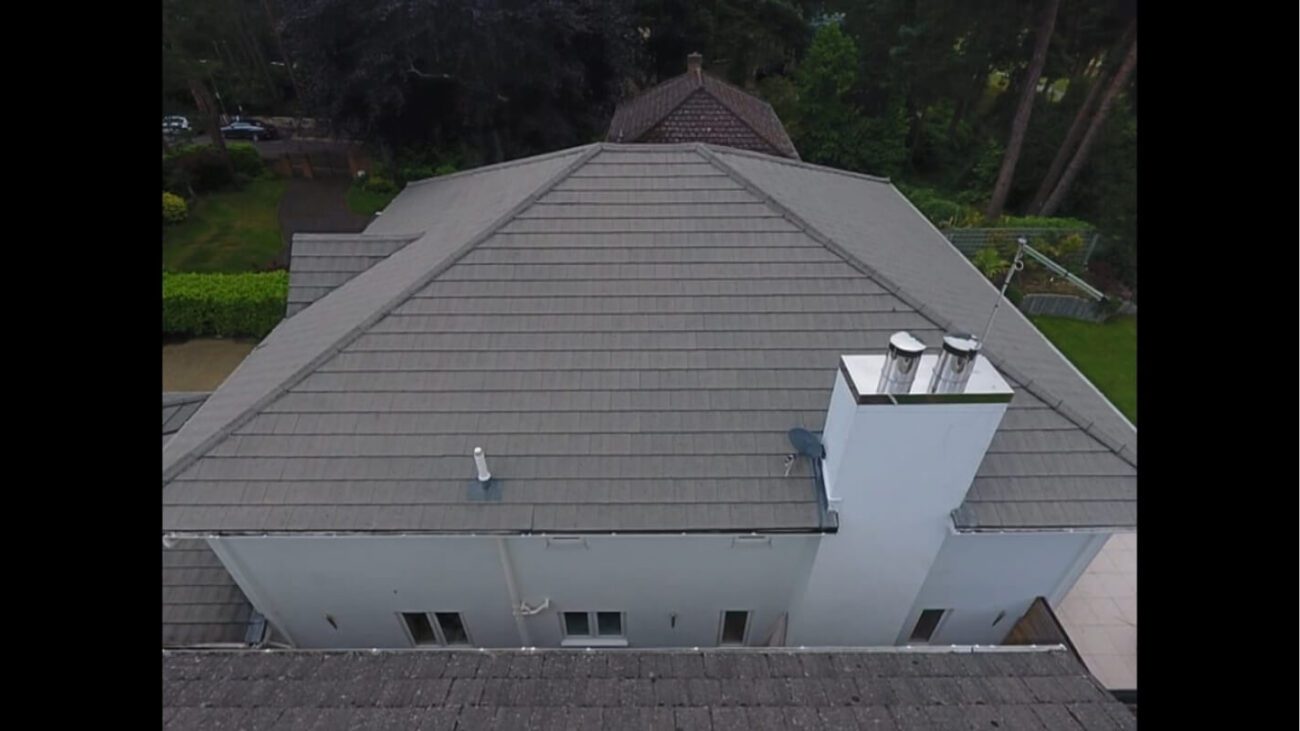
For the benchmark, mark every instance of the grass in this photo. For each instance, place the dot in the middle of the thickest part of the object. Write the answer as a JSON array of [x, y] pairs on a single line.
[[1106, 353], [367, 203], [232, 231]]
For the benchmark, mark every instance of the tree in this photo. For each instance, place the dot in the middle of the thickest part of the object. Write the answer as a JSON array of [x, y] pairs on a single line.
[[226, 44], [504, 78], [740, 39], [1074, 134], [1020, 123], [828, 128], [1085, 145], [175, 20]]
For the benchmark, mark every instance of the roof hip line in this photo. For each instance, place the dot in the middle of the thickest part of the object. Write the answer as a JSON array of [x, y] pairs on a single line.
[[925, 311], [187, 459]]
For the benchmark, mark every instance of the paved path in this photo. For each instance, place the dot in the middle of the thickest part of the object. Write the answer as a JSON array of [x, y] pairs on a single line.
[[203, 363]]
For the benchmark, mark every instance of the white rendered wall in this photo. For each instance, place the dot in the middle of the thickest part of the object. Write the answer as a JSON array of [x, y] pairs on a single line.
[[979, 575], [364, 581], [895, 474]]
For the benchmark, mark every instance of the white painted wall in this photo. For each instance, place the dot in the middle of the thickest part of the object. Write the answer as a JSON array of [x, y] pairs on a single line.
[[364, 581], [895, 473], [979, 575]]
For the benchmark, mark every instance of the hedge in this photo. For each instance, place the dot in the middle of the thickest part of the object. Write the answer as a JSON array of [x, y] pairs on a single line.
[[225, 305]]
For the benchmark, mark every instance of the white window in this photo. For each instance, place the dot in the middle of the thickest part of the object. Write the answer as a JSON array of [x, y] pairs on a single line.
[[735, 627], [593, 628], [927, 624], [437, 629]]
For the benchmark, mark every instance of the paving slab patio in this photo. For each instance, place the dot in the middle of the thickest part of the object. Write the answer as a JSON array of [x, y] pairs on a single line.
[[1100, 613]]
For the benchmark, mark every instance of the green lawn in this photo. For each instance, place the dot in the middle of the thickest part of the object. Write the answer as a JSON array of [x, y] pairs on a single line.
[[366, 203], [235, 231], [1106, 353]]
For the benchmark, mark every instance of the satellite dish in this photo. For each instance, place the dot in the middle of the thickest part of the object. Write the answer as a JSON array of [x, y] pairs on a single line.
[[807, 443]]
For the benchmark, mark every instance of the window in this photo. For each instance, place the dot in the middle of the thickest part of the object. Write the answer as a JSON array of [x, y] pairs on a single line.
[[595, 625], [418, 626], [609, 624], [734, 625], [435, 628], [927, 624], [453, 629], [576, 624]]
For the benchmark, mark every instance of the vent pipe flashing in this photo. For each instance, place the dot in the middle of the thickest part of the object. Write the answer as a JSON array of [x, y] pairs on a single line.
[[480, 463]]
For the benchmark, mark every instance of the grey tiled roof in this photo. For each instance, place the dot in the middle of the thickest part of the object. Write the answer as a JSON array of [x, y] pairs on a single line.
[[1074, 465], [678, 689], [701, 108], [628, 331], [321, 262], [201, 604]]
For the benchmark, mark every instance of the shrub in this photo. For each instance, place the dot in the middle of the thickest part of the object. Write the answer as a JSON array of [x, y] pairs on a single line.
[[378, 184], [200, 167], [942, 212], [246, 159], [1041, 222], [991, 263], [224, 305], [416, 172], [174, 208]]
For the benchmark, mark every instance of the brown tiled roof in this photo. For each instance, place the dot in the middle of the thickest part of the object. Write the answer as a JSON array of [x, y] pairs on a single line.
[[698, 107]]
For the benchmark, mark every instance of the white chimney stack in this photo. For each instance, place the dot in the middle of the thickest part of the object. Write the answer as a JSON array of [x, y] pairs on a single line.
[[900, 457]]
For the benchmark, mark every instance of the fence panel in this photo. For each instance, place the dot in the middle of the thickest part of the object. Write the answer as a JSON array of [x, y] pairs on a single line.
[[1062, 305]]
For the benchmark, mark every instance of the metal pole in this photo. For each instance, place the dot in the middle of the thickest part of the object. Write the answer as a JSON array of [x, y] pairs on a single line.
[[1016, 265], [1092, 245]]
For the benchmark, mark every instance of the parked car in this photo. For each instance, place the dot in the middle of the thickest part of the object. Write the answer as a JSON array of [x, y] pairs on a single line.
[[249, 129], [175, 125]]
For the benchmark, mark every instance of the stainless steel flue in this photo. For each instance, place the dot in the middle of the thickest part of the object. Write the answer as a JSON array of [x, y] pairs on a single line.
[[901, 362], [956, 361]]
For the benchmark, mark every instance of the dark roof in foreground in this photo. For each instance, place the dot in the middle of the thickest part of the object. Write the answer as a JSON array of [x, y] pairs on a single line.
[[698, 107], [629, 331], [201, 603], [747, 690]]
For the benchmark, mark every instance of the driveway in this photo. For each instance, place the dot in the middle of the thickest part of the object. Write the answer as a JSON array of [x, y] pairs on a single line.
[[317, 206]]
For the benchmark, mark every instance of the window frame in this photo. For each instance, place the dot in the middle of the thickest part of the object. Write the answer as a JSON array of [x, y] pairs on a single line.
[[722, 627], [464, 628], [594, 638], [440, 638], [943, 618]]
